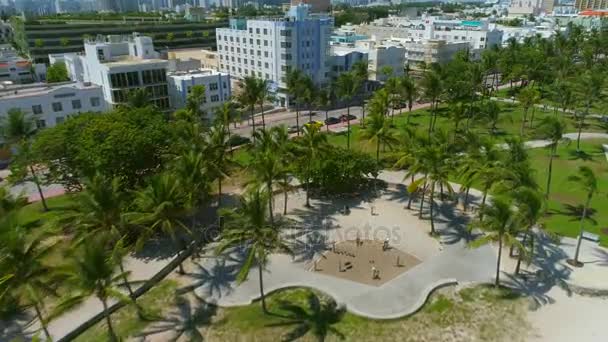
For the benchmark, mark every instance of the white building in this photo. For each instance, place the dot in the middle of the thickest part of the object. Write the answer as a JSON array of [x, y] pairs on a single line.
[[15, 68], [51, 104], [269, 48], [120, 64], [217, 88]]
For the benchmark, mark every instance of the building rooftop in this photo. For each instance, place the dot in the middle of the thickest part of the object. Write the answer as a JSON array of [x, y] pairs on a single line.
[[123, 60], [186, 75], [8, 90]]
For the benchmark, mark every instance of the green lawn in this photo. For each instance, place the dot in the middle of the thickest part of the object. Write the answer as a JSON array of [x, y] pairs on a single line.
[[596, 108], [566, 199], [481, 313], [126, 321]]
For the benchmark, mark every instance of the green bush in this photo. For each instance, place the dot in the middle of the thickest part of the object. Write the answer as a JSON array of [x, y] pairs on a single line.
[[342, 171]]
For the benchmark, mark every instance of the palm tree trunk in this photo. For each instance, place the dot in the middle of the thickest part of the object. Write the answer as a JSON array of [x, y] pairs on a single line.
[[253, 123], [532, 117], [411, 196], [269, 185], [520, 256], [42, 323], [497, 281], [111, 332], [550, 170], [432, 205], [363, 113], [378, 151], [285, 203], [431, 119], [466, 199], [309, 113], [409, 113], [581, 230], [121, 265], [219, 192], [483, 204], [298, 118], [261, 280], [263, 119], [37, 182], [348, 127], [523, 122], [326, 120], [308, 187], [422, 199]]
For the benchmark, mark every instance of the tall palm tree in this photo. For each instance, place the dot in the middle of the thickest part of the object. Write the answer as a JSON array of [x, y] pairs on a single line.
[[588, 182], [408, 147], [92, 272], [161, 207], [589, 88], [393, 87], [227, 114], [285, 152], [501, 225], [16, 130], [348, 85], [248, 226], [528, 97], [309, 94], [325, 100], [194, 101], [378, 130], [266, 166], [311, 144], [263, 95], [432, 86], [23, 257], [409, 91], [249, 96], [551, 129], [529, 204], [318, 319], [492, 114], [294, 86], [218, 160]]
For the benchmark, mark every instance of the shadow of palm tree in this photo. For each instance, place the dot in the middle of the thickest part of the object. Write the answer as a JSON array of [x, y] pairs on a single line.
[[575, 212], [19, 327], [186, 321], [318, 318], [308, 247], [580, 155], [550, 271]]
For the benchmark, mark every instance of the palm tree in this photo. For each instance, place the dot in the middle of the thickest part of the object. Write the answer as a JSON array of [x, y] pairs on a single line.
[[393, 87], [492, 114], [16, 130], [529, 204], [319, 318], [227, 114], [161, 207], [249, 96], [325, 100], [92, 272], [309, 94], [194, 101], [378, 129], [502, 226], [409, 91], [284, 151], [551, 129], [248, 226], [528, 97], [432, 86], [310, 144], [408, 147], [348, 85], [266, 166], [587, 181], [263, 95], [294, 80], [23, 257], [218, 160], [589, 89]]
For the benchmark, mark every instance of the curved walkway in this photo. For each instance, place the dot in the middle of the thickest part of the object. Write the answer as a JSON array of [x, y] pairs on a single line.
[[399, 297]]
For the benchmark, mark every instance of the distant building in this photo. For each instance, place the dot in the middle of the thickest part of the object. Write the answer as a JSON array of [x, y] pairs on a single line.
[[15, 68], [270, 48], [591, 4], [209, 59], [316, 6], [217, 88], [51, 104], [120, 64], [343, 57], [6, 32]]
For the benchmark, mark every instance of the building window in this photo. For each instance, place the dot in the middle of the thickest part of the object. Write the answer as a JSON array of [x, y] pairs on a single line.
[[40, 123], [37, 109], [154, 76], [76, 104], [258, 42], [57, 107], [265, 31], [224, 85], [215, 98], [265, 42], [285, 45], [95, 101], [59, 120], [212, 86], [251, 41], [285, 33], [250, 30], [257, 30], [265, 53], [286, 56], [266, 65]]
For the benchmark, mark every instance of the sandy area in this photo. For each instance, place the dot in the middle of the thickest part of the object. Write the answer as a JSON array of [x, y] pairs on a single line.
[[355, 263]]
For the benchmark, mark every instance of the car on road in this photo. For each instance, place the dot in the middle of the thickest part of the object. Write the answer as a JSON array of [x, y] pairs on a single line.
[[292, 129], [347, 117], [237, 140], [332, 120]]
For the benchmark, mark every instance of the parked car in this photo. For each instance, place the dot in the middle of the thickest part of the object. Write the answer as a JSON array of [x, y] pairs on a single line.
[[237, 140], [292, 129], [345, 117], [332, 120]]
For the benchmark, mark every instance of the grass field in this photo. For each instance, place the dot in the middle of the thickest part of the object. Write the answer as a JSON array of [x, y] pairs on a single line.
[[477, 314]]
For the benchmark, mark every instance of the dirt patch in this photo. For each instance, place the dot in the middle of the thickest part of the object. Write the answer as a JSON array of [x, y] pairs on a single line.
[[604, 231], [356, 262]]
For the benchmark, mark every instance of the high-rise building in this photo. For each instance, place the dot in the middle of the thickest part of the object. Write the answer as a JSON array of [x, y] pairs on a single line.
[[269, 48], [591, 4], [316, 6]]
